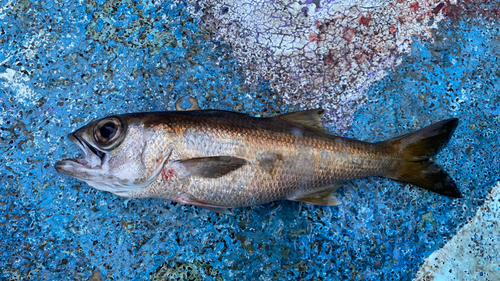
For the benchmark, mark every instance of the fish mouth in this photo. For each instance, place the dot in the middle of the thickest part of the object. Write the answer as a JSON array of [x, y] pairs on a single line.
[[85, 146], [93, 157]]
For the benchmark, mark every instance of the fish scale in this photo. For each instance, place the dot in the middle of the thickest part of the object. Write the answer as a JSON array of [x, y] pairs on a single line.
[[251, 185], [218, 159]]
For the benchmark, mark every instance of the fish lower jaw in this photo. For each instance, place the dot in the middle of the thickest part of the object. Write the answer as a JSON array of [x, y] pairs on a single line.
[[81, 161], [102, 186], [79, 168], [116, 188], [67, 166]]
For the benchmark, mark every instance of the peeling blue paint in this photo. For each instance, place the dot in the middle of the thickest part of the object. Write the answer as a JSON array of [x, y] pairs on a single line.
[[70, 69]]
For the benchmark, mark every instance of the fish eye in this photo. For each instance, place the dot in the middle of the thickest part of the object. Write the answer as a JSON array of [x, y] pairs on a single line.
[[109, 132]]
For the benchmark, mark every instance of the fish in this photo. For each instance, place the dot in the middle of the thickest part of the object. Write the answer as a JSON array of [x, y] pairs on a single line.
[[219, 160]]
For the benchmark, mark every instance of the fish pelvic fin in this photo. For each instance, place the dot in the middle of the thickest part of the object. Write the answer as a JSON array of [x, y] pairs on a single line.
[[186, 199], [307, 118], [323, 197], [415, 149]]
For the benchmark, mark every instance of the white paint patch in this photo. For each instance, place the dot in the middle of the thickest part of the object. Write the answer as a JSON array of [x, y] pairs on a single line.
[[15, 80], [8, 75], [22, 93], [5, 7], [33, 43], [327, 54], [474, 252]]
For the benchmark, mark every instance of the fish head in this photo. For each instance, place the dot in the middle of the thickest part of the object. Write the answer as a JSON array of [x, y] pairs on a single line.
[[116, 155]]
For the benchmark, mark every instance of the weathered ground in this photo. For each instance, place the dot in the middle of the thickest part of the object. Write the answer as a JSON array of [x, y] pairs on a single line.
[[380, 69]]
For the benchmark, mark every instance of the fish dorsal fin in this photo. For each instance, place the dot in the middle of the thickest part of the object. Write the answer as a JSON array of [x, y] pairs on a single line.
[[323, 197], [307, 118], [212, 167]]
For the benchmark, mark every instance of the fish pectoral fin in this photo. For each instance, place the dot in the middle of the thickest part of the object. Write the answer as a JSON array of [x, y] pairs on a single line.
[[212, 167], [323, 197], [186, 199], [307, 118]]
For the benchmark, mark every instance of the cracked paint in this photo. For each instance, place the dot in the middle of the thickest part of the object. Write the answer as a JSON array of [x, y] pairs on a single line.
[[321, 54]]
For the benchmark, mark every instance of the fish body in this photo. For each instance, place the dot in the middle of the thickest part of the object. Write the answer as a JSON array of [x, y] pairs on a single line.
[[219, 159]]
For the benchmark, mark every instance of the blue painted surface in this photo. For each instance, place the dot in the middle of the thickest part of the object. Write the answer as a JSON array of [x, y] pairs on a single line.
[[77, 62]]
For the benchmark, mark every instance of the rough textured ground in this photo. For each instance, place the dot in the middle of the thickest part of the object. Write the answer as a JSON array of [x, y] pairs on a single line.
[[63, 64]]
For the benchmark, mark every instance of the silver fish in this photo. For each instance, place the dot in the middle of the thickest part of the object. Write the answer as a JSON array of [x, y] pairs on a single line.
[[219, 159]]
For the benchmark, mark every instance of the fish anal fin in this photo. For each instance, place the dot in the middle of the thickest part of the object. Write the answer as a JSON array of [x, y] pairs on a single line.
[[323, 197], [186, 199], [212, 167], [217, 210], [307, 118]]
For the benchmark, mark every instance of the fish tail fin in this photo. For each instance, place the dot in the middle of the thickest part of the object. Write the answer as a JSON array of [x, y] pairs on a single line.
[[415, 149]]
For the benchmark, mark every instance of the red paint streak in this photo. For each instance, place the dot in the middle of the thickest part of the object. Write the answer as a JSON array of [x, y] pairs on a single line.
[[393, 29], [349, 34], [452, 11], [438, 8], [166, 175], [313, 37], [482, 9], [359, 58], [329, 61], [364, 20], [414, 6]]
